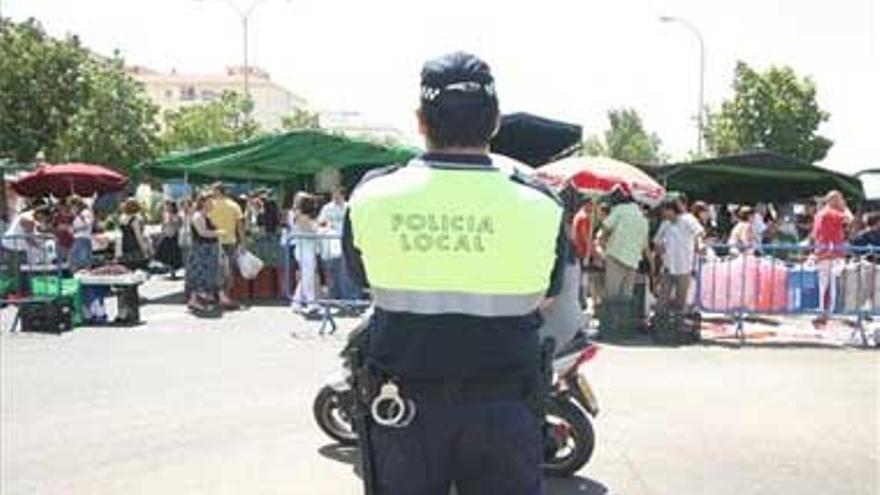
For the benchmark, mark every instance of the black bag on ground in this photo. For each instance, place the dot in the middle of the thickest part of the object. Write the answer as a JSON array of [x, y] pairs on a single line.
[[620, 317], [676, 328], [50, 316]]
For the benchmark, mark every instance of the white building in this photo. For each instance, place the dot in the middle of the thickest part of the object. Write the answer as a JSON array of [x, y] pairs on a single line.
[[171, 91], [355, 124]]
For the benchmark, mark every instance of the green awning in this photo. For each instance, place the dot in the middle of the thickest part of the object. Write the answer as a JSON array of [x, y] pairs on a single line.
[[275, 158], [761, 176], [8, 165]]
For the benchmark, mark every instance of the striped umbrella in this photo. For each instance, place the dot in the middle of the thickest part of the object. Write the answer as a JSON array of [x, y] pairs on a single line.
[[597, 175]]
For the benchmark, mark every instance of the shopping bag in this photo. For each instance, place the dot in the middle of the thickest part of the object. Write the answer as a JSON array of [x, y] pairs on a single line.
[[249, 265]]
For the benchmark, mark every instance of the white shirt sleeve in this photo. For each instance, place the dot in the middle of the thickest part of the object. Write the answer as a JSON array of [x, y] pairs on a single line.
[[324, 215], [694, 225], [659, 237]]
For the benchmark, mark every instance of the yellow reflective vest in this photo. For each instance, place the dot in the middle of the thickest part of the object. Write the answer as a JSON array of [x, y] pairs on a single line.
[[451, 238]]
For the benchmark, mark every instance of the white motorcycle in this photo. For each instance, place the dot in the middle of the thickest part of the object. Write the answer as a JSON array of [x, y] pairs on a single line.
[[569, 435]]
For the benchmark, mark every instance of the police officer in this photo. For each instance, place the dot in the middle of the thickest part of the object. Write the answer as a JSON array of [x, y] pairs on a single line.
[[459, 254]]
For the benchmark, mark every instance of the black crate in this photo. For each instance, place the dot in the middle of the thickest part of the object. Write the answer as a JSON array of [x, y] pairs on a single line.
[[620, 318], [50, 316], [676, 328]]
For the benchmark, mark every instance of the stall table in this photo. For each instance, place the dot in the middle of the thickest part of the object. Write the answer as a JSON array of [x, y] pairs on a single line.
[[123, 286]]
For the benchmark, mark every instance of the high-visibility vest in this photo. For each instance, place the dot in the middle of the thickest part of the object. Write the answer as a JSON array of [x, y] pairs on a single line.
[[444, 239]]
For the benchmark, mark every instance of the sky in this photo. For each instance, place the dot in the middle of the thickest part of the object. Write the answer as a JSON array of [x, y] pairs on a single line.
[[567, 59]]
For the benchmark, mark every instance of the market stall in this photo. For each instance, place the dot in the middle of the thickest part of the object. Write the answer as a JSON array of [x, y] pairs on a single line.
[[275, 158], [760, 176], [53, 280], [285, 158]]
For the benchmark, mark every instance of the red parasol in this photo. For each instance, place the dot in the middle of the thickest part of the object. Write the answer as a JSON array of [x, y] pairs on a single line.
[[70, 178], [598, 175]]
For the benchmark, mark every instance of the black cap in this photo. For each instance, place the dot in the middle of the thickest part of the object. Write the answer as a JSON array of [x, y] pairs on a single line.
[[457, 72]]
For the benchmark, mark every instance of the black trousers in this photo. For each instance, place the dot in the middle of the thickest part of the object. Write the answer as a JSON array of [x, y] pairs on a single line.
[[483, 448]]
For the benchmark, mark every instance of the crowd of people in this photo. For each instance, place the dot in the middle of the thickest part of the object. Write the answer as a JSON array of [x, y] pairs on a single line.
[[202, 234], [617, 239]]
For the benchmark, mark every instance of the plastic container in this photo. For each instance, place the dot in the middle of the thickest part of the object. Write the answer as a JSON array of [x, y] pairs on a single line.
[[240, 288], [803, 288], [857, 287], [8, 285], [745, 283], [70, 287], [772, 283], [728, 285], [264, 285]]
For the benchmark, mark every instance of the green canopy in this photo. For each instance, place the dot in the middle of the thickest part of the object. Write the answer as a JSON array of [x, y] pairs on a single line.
[[275, 158], [8, 165], [761, 176]]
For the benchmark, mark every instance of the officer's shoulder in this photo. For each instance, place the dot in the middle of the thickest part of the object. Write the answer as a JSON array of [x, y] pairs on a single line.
[[377, 173], [372, 177]]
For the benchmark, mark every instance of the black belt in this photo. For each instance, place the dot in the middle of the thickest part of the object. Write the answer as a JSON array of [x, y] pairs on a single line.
[[463, 391]]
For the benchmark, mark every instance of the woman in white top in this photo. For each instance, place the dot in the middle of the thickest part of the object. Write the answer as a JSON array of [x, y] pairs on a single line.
[[304, 228], [743, 238], [83, 223]]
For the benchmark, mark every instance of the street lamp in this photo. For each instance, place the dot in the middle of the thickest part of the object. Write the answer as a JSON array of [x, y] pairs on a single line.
[[244, 14], [696, 32]]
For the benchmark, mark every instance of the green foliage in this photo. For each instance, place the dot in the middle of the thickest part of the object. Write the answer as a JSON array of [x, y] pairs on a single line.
[[42, 84], [594, 146], [626, 139], [774, 110], [116, 125], [62, 101], [224, 121], [301, 119]]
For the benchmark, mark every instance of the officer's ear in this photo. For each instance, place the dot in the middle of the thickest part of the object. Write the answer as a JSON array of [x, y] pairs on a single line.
[[497, 125]]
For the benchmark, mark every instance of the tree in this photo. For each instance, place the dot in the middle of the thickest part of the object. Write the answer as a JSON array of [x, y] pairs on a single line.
[[224, 121], [774, 110], [60, 100], [301, 119], [594, 146], [626, 139], [116, 125], [42, 84]]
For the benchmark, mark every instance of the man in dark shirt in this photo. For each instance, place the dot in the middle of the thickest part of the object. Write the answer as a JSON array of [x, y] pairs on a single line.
[[457, 287], [869, 238]]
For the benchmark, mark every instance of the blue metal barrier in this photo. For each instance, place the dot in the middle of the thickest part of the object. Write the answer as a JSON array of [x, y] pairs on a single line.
[[778, 279], [321, 243]]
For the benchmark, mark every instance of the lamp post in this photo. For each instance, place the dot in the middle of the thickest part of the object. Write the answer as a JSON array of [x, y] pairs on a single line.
[[244, 14], [696, 32]]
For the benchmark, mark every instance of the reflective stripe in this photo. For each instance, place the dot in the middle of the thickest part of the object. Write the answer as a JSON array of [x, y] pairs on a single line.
[[435, 302]]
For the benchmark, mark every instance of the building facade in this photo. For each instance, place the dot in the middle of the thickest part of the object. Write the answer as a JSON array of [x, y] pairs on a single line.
[[355, 124], [172, 91]]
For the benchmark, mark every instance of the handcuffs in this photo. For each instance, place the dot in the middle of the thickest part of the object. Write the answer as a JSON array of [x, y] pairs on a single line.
[[391, 410]]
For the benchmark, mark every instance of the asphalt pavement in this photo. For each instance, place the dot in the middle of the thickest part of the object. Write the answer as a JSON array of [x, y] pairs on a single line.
[[188, 406]]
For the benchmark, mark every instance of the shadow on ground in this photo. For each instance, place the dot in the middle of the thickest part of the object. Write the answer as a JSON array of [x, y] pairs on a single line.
[[576, 485], [176, 297], [343, 453], [736, 344]]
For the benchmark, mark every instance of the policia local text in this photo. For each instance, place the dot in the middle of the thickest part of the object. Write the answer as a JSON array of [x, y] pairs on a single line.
[[442, 232]]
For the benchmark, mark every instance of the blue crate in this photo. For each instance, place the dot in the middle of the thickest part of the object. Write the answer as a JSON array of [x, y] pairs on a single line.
[[803, 289]]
